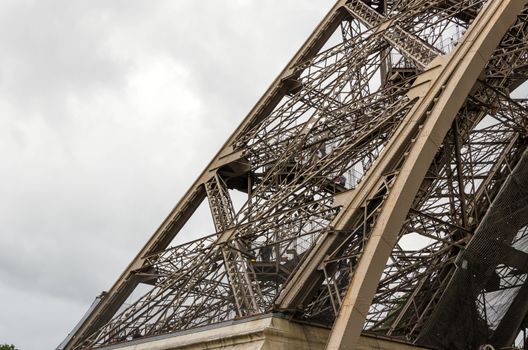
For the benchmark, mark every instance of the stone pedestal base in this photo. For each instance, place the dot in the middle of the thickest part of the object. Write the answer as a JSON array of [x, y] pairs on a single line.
[[262, 333]]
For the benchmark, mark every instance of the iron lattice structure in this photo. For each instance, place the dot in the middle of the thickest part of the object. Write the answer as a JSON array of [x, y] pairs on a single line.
[[385, 176]]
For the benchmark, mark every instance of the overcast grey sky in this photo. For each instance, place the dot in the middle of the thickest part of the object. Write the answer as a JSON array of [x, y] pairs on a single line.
[[108, 111]]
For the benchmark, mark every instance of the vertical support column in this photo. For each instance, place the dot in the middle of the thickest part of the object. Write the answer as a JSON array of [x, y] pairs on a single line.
[[240, 271], [220, 204]]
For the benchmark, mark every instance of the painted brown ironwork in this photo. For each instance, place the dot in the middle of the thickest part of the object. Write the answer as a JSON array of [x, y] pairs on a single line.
[[375, 171]]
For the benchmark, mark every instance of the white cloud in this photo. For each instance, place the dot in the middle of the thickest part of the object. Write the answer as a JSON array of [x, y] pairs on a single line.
[[108, 112]]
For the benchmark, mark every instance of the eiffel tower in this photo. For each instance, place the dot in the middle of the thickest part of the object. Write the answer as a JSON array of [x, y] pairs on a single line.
[[384, 177]]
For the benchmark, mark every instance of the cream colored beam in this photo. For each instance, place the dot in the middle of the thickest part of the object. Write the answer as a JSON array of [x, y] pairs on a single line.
[[446, 95]]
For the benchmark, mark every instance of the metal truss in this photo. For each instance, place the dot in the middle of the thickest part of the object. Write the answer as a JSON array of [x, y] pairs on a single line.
[[377, 171]]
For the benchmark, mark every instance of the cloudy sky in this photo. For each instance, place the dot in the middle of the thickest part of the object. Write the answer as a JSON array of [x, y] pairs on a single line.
[[108, 111]]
